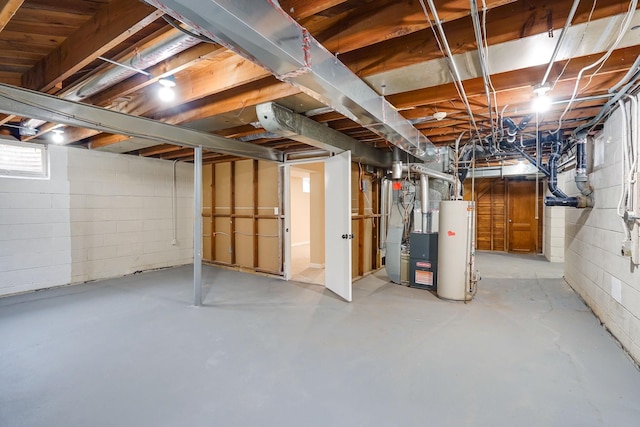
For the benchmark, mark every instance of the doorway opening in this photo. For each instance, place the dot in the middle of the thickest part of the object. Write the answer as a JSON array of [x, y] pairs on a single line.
[[306, 198]]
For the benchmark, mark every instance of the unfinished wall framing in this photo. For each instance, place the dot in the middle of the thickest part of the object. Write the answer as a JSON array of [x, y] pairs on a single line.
[[365, 220], [243, 217]]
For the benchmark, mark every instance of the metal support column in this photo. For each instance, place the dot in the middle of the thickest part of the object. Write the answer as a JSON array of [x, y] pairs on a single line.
[[197, 226]]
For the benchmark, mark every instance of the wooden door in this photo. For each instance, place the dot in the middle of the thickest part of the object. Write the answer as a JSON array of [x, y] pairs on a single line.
[[522, 225], [491, 211]]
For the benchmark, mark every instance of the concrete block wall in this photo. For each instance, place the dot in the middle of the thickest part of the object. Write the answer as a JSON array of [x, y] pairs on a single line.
[[594, 266], [100, 215], [35, 242], [553, 234]]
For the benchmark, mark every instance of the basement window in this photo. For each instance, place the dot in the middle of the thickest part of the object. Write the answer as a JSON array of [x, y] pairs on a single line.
[[23, 160]]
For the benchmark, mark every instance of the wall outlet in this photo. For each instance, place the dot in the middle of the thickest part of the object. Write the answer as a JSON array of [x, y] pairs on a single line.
[[275, 211]]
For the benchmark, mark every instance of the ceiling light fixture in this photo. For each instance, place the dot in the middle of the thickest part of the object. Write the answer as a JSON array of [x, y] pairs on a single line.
[[166, 92], [439, 115], [542, 102], [57, 136]]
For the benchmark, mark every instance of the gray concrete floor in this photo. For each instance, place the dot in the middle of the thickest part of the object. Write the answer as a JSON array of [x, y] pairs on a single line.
[[132, 352]]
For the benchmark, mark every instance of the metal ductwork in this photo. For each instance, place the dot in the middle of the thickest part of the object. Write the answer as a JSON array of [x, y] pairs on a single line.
[[452, 179], [279, 120], [264, 34], [142, 60], [29, 103]]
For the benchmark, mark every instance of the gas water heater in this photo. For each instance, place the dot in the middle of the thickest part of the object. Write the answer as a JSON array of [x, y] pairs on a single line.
[[456, 250]]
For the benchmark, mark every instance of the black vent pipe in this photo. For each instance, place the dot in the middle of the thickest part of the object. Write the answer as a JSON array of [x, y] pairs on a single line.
[[561, 199]]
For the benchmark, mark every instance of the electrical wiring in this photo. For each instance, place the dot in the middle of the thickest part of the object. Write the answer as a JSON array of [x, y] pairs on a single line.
[[449, 56], [486, 54], [623, 29], [624, 192], [577, 46], [478, 30]]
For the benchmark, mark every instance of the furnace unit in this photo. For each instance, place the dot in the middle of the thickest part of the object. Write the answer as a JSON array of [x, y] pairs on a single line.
[[423, 261]]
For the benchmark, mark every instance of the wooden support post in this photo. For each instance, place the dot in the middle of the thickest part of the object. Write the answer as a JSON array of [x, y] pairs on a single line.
[[375, 221]]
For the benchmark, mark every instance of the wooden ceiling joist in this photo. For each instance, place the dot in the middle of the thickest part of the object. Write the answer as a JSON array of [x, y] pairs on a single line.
[[112, 24]]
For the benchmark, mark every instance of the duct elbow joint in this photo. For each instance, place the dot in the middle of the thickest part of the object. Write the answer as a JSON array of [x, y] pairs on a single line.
[[396, 169], [582, 182], [584, 202]]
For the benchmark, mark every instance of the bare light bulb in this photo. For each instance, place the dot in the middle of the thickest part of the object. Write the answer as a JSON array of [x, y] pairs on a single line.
[[58, 136], [166, 92], [541, 103], [439, 115]]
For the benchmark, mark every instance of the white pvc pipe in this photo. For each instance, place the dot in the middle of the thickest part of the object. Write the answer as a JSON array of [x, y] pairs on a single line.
[[563, 33]]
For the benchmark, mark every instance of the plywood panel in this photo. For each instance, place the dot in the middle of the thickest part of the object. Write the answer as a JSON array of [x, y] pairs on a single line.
[[367, 246], [244, 242], [367, 241], [354, 247], [354, 189], [222, 176], [244, 187], [268, 245], [268, 181], [207, 210], [222, 240]]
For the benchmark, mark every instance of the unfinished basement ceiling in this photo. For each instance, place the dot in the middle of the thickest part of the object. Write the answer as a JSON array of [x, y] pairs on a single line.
[[55, 48]]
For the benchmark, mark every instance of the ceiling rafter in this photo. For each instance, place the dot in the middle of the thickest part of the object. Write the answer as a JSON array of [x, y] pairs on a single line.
[[112, 24], [8, 8]]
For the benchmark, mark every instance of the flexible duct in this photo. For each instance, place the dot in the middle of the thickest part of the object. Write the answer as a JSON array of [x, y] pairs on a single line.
[[142, 60]]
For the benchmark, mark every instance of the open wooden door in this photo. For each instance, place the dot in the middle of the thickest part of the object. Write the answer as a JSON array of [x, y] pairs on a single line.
[[338, 234]]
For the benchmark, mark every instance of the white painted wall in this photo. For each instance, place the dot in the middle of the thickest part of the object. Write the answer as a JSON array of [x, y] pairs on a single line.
[[35, 242], [594, 266], [553, 240], [300, 214], [100, 215]]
